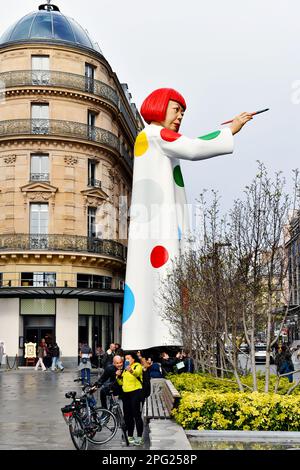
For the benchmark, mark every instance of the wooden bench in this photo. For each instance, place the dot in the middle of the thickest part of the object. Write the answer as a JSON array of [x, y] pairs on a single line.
[[163, 398]]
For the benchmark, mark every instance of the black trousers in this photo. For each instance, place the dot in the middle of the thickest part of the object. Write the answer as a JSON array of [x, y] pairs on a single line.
[[132, 409]]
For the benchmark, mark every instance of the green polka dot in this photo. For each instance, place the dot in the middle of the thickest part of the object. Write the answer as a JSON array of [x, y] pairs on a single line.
[[178, 176], [210, 136]]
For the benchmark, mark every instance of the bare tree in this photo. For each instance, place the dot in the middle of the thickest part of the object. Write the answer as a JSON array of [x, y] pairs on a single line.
[[232, 281]]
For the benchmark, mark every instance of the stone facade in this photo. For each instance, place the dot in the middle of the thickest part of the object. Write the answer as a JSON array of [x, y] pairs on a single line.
[[73, 148]]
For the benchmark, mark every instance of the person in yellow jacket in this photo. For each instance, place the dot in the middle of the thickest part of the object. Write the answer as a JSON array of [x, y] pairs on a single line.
[[131, 380]]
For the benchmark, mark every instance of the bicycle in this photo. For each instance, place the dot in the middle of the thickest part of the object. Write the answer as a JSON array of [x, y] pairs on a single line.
[[86, 422], [115, 408]]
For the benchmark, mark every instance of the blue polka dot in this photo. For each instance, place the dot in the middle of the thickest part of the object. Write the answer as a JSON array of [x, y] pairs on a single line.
[[179, 233], [129, 303]]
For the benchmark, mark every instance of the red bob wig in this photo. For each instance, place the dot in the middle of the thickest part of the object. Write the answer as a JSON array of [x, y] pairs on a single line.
[[155, 105]]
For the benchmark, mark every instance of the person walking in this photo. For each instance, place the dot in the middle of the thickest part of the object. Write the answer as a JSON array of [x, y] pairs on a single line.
[[284, 362], [41, 353], [85, 365], [1, 352], [56, 362], [131, 379], [99, 354], [188, 362]]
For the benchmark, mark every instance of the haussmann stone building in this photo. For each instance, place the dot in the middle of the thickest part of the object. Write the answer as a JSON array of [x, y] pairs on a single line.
[[67, 131]]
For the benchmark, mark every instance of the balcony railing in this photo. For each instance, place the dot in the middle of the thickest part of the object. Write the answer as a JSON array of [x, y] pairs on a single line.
[[39, 176], [63, 128], [74, 243], [52, 78], [94, 183], [59, 128], [61, 279]]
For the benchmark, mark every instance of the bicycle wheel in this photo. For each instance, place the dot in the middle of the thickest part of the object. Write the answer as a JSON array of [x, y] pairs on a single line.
[[122, 425], [77, 434], [103, 426]]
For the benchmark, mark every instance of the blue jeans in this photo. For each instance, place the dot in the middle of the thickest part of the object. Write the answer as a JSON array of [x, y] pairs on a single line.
[[56, 362], [284, 369], [88, 376]]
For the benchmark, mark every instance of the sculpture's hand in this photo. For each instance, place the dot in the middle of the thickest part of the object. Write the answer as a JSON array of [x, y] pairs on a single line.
[[239, 121]]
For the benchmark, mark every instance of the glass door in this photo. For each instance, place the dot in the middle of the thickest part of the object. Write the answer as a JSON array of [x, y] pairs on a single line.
[[40, 66], [40, 118], [89, 78], [91, 125], [38, 226]]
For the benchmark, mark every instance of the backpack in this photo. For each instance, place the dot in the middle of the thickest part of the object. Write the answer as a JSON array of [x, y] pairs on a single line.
[[146, 383]]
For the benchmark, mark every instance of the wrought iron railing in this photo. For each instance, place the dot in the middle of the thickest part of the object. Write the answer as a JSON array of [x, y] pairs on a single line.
[[53, 78], [53, 279], [127, 118], [61, 128], [74, 243], [94, 183], [39, 176], [126, 156]]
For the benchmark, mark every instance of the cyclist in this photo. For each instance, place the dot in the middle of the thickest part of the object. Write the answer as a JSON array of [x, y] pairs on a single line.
[[131, 379], [107, 380]]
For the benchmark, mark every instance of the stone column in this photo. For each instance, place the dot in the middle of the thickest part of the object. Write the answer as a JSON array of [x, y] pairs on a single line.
[[9, 326], [67, 330]]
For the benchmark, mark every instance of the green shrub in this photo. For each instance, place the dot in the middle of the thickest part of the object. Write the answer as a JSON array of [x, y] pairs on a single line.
[[213, 403], [238, 411], [200, 382]]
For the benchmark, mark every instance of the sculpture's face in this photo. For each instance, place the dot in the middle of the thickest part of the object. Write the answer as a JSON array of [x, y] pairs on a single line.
[[174, 115]]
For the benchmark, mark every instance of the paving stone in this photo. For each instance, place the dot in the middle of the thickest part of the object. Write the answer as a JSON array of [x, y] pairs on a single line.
[[30, 416]]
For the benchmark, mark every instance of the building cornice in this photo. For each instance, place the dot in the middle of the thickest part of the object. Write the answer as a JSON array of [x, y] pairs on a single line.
[[80, 260]]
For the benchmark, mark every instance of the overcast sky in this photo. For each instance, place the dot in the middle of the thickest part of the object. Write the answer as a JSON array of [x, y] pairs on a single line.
[[225, 57]]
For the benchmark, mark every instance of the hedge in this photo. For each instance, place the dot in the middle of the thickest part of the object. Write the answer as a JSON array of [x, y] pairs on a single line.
[[210, 403]]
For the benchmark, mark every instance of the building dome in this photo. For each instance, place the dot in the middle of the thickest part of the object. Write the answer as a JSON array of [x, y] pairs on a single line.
[[48, 24]]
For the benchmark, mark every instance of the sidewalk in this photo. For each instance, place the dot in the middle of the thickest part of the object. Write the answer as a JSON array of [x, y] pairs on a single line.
[[30, 415]]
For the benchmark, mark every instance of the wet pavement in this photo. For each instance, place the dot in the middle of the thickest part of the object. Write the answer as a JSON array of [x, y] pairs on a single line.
[[30, 412]]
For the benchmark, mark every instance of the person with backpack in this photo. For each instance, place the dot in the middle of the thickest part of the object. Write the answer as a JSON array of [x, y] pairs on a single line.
[[131, 381], [85, 365], [56, 362], [146, 375], [154, 368]]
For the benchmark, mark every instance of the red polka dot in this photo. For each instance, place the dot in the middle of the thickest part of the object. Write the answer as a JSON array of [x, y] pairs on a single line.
[[168, 135], [159, 256]]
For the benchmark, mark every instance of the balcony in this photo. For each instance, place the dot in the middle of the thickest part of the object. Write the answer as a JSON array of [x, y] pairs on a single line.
[[65, 285], [39, 176], [52, 78], [59, 128], [94, 183], [74, 243]]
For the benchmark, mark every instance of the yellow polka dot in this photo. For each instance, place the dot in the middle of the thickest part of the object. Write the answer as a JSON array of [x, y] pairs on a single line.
[[141, 145]]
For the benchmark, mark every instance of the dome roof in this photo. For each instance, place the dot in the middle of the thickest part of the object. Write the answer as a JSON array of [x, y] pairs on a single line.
[[50, 25]]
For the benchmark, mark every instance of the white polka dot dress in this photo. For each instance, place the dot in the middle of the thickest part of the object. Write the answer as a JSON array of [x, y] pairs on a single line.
[[158, 222]]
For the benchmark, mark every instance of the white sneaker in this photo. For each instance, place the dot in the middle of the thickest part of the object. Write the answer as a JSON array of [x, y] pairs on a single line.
[[138, 441]]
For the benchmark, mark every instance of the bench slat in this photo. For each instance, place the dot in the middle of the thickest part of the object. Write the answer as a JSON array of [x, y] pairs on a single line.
[[161, 401]]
